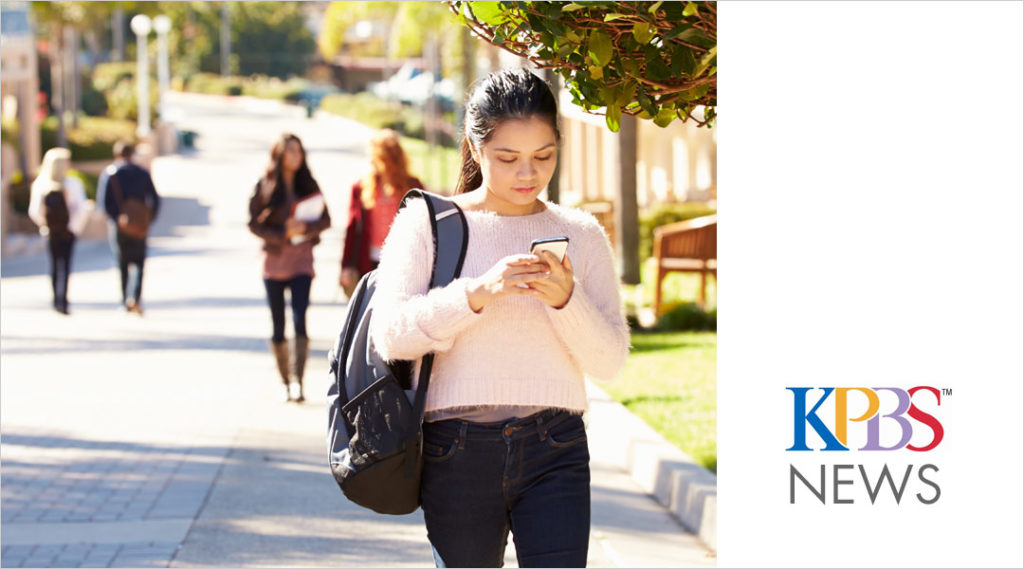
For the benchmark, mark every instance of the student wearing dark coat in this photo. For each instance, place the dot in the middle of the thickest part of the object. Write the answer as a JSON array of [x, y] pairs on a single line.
[[129, 181]]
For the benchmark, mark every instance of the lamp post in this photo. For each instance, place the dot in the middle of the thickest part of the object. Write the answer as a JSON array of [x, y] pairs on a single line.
[[162, 25], [141, 25]]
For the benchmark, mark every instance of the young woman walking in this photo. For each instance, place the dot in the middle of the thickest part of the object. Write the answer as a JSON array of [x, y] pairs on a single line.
[[505, 448], [373, 206], [57, 206], [288, 213]]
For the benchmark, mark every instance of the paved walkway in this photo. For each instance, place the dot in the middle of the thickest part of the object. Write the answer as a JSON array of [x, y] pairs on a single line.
[[160, 441]]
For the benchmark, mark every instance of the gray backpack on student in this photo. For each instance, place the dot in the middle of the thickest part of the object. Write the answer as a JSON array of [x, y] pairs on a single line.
[[375, 418]]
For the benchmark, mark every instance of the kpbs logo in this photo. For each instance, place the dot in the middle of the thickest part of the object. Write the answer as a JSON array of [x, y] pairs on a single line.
[[836, 420]]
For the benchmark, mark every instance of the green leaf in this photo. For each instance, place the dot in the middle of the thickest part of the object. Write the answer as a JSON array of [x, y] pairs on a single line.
[[682, 60], [572, 7], [499, 36], [656, 67], [690, 9], [596, 71], [643, 32], [627, 95], [600, 48], [647, 103], [696, 92], [609, 95], [671, 34], [706, 61], [487, 12], [631, 66], [654, 7], [697, 38], [613, 16], [665, 117], [613, 117]]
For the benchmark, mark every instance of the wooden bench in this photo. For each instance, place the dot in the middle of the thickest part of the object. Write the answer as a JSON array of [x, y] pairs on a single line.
[[689, 246]]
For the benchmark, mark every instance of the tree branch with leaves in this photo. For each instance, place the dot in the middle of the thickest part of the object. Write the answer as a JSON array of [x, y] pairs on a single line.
[[653, 60]]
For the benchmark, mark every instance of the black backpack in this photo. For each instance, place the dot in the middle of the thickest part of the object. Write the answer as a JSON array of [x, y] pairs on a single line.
[[375, 418], [55, 211]]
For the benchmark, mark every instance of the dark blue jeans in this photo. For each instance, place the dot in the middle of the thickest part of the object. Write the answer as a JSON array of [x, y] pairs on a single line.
[[60, 267], [299, 286], [530, 476], [131, 258]]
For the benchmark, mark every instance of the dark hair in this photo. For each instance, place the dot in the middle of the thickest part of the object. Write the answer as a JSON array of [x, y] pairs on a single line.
[[502, 95], [123, 149], [273, 183]]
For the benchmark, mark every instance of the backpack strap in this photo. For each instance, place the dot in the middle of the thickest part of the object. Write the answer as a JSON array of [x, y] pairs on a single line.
[[451, 237]]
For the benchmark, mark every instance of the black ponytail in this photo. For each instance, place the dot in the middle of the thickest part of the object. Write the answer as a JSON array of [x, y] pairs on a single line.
[[502, 95]]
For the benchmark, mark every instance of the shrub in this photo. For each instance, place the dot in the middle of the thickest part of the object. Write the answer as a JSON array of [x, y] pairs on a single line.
[[688, 317], [19, 192], [212, 84], [375, 112], [365, 108], [663, 214], [115, 82], [106, 76], [94, 103], [9, 133], [93, 139], [264, 87]]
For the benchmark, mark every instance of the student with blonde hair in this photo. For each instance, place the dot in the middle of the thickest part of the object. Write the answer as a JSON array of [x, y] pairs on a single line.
[[57, 206], [375, 200]]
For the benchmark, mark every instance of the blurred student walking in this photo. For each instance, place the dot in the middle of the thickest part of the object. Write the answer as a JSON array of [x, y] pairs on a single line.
[[374, 203], [57, 206], [132, 204], [287, 211]]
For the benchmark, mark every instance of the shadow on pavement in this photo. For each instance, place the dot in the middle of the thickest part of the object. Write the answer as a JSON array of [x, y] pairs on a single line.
[[218, 342], [179, 212], [95, 255], [57, 478]]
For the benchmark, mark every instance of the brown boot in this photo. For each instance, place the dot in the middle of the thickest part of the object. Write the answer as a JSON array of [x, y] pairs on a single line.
[[280, 350], [301, 354]]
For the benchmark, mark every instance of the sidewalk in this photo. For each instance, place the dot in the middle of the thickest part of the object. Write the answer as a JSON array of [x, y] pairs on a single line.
[[160, 441]]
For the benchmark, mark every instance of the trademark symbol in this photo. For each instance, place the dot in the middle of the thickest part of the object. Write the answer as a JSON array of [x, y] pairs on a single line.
[[947, 391]]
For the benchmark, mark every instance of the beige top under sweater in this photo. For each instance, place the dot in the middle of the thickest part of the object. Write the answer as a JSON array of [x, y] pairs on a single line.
[[518, 351]]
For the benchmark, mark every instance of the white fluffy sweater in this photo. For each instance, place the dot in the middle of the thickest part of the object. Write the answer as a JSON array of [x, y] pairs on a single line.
[[517, 351]]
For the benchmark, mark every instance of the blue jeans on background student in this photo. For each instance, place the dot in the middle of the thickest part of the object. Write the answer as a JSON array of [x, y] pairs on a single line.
[[530, 476], [299, 286], [60, 268], [131, 258]]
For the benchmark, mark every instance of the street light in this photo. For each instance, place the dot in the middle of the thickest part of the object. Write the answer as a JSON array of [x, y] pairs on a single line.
[[141, 25], [162, 25]]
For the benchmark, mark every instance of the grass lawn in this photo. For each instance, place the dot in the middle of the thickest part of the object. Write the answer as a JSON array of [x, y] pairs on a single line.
[[438, 169], [669, 381]]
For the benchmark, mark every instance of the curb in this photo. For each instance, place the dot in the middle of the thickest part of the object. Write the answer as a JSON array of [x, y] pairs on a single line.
[[670, 476]]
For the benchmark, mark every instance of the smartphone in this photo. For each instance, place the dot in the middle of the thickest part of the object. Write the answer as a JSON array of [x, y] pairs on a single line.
[[557, 246]]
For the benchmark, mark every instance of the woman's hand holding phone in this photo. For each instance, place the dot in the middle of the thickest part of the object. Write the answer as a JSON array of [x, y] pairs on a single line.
[[556, 289], [541, 277], [509, 276]]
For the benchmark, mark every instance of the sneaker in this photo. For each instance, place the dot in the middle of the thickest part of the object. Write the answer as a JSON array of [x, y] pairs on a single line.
[[295, 393]]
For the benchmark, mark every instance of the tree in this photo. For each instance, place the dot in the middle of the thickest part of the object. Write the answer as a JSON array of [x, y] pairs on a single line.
[[653, 60], [271, 38], [411, 25], [266, 37]]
